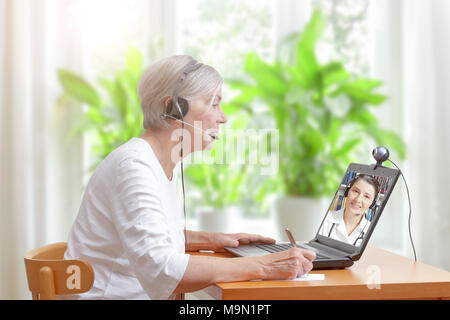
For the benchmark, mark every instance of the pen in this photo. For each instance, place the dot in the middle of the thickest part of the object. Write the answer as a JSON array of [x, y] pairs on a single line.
[[291, 238]]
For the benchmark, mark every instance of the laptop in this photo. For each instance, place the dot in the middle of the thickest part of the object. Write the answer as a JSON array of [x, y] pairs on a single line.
[[349, 221]]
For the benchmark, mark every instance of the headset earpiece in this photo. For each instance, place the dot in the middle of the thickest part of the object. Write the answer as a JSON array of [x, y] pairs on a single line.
[[347, 190], [172, 110], [374, 202]]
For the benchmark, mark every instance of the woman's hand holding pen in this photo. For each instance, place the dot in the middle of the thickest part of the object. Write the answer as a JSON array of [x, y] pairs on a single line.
[[287, 264]]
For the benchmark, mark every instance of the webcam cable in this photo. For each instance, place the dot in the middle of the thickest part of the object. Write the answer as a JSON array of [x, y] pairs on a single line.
[[409, 217]]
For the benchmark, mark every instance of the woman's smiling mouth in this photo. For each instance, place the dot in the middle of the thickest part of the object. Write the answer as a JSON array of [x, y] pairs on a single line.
[[355, 206]]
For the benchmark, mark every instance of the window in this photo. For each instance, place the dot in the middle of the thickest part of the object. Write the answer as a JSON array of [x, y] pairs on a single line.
[[220, 33], [107, 37], [348, 35]]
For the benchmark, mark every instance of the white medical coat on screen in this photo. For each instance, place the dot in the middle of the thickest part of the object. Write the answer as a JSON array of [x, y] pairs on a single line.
[[339, 231]]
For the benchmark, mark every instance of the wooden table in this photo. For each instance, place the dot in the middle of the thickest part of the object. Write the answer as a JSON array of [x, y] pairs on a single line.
[[378, 275]]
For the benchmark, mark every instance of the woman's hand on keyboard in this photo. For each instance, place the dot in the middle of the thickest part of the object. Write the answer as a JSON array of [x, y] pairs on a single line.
[[220, 240]]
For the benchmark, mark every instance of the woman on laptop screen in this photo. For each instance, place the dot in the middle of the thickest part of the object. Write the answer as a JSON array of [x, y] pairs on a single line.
[[350, 222]]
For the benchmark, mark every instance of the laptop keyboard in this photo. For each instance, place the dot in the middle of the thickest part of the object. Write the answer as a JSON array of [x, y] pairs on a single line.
[[282, 247]]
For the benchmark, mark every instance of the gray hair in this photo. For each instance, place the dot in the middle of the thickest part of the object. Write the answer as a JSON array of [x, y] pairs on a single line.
[[159, 82]]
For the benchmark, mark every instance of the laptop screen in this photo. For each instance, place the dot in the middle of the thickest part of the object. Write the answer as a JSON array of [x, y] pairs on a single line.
[[357, 204]]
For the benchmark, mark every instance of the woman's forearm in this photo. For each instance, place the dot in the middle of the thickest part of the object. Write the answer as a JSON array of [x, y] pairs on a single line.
[[203, 271], [196, 240]]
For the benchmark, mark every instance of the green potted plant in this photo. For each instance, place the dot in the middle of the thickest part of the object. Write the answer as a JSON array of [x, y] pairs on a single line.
[[112, 114], [323, 114]]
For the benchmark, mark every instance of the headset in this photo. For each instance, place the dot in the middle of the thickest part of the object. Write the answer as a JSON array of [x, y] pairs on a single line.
[[182, 104]]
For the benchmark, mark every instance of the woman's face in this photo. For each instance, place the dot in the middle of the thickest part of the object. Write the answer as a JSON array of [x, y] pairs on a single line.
[[206, 114], [360, 197]]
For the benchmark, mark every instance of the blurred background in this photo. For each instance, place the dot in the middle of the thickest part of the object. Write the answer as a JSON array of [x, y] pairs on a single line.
[[327, 79]]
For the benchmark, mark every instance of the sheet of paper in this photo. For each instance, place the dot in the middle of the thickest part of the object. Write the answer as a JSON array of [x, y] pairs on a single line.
[[305, 277], [310, 277]]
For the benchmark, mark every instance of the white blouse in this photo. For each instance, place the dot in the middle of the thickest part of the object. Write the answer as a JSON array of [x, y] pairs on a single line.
[[129, 227], [334, 227]]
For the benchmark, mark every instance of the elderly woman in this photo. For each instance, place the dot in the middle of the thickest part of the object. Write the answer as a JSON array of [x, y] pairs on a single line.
[[129, 227]]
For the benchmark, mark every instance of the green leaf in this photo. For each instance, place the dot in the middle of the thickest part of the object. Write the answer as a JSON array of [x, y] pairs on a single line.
[[306, 58], [269, 186], [346, 147], [334, 131], [96, 117], [78, 88], [361, 90], [269, 78], [117, 94], [119, 97], [359, 114], [313, 141], [367, 85], [333, 73]]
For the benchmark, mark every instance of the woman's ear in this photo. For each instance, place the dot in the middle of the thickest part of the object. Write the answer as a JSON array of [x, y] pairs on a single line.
[[167, 101], [167, 105]]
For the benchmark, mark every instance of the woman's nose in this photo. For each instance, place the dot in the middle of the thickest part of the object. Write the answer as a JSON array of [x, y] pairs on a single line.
[[222, 117]]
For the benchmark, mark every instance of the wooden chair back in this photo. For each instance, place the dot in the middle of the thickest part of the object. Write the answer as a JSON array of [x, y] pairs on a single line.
[[49, 274]]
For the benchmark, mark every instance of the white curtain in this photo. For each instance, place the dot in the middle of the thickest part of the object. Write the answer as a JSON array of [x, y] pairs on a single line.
[[41, 176], [412, 46], [426, 96]]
